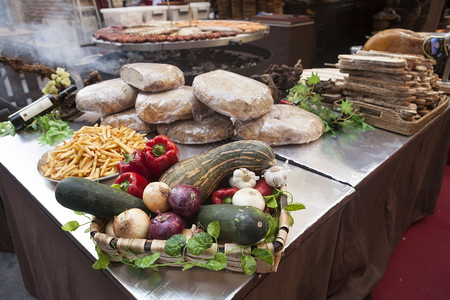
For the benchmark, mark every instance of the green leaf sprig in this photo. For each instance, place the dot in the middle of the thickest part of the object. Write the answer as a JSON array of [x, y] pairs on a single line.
[[53, 130], [273, 201], [7, 128], [345, 116], [177, 245]]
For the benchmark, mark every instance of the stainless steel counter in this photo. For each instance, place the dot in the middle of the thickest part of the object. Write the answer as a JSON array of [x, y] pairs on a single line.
[[19, 156], [347, 158]]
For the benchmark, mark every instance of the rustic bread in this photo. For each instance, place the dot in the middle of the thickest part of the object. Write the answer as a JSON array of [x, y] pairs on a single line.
[[283, 125], [129, 118], [106, 97], [212, 128], [233, 95], [152, 77], [169, 106]]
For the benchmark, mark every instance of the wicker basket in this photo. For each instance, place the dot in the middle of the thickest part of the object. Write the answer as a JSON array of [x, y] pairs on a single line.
[[118, 248]]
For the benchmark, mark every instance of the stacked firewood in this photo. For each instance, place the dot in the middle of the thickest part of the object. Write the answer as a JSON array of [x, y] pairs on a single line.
[[401, 82]]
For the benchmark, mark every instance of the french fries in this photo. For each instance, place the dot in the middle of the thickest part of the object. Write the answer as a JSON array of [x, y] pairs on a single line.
[[93, 152]]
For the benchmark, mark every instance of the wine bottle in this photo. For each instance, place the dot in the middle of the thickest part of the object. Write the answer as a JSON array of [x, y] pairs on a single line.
[[42, 106]]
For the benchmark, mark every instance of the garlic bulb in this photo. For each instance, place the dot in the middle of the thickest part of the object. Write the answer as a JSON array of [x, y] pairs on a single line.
[[243, 178], [276, 176]]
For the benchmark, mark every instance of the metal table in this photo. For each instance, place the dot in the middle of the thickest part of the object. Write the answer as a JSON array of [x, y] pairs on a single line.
[[361, 190], [56, 264]]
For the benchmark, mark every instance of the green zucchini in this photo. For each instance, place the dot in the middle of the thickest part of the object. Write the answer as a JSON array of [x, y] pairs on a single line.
[[97, 199], [245, 225], [206, 171]]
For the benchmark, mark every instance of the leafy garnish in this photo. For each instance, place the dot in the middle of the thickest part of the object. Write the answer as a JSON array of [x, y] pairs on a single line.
[[345, 116], [53, 130], [7, 128], [176, 245]]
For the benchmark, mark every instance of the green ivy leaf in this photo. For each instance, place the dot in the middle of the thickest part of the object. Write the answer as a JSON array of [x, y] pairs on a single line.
[[174, 245], [102, 262], [271, 234], [294, 207], [213, 229], [218, 263], [188, 266], [271, 201], [70, 226], [199, 243], [146, 261], [248, 264], [263, 254]]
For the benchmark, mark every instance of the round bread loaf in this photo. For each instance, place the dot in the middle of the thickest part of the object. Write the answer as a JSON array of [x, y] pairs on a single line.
[[212, 128], [129, 118], [233, 95], [152, 77], [106, 97], [283, 125], [169, 106]]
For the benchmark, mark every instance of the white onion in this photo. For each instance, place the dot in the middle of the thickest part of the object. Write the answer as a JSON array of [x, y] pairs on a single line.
[[132, 223]]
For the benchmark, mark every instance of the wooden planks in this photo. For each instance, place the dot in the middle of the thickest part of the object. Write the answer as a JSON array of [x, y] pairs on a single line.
[[402, 82]]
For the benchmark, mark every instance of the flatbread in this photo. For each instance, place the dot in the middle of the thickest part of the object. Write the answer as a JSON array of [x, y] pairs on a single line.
[[210, 129], [233, 95], [283, 125], [152, 77], [106, 97], [169, 106]]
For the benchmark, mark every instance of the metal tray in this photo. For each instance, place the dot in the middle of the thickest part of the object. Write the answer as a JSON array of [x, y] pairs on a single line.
[[223, 41]]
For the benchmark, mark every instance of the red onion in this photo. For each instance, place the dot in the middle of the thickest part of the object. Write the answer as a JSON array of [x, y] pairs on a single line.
[[164, 225], [185, 200]]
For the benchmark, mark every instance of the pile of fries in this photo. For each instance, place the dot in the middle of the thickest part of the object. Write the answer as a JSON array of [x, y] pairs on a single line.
[[92, 153]]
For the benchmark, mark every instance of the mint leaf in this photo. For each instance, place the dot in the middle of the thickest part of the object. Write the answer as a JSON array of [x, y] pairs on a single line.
[[271, 234], [199, 243], [218, 263], [102, 262], [70, 226], [188, 266], [213, 229], [263, 254], [248, 264], [294, 207], [146, 261], [174, 245]]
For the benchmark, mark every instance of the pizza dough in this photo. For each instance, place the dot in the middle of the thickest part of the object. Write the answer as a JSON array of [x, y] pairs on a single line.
[[283, 125], [233, 95], [169, 106], [152, 77], [106, 97], [212, 128], [129, 118]]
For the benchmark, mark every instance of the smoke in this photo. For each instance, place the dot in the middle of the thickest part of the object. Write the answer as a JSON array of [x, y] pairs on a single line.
[[57, 43]]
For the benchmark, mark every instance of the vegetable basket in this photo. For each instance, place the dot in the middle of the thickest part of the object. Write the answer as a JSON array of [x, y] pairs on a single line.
[[119, 248]]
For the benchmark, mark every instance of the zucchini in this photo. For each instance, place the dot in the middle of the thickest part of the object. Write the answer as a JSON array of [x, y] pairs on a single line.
[[245, 225], [206, 171], [97, 199]]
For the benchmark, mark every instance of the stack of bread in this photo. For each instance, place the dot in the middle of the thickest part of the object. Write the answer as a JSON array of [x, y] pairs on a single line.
[[404, 83], [219, 105]]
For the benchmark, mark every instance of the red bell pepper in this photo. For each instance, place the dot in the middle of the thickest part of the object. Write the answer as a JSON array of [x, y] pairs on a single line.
[[132, 183], [223, 196], [135, 162], [160, 154], [263, 187], [265, 190]]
